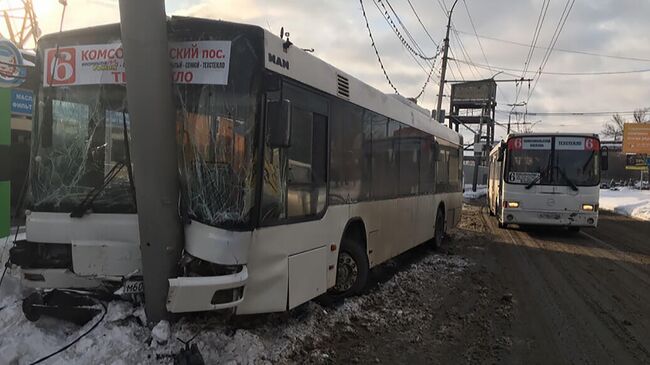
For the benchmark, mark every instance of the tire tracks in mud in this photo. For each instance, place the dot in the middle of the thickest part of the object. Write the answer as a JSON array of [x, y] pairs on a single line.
[[582, 305]]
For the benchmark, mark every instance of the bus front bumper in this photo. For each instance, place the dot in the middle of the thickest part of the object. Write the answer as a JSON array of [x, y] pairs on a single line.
[[549, 218], [205, 293]]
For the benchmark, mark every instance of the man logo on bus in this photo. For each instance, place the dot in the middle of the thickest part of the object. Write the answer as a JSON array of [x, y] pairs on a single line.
[[61, 66]]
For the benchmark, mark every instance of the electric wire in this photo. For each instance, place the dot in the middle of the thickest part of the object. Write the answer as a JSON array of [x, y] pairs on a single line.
[[564, 50], [101, 319], [422, 24], [471, 21], [415, 58], [374, 47], [533, 44], [556, 36], [560, 73], [415, 49]]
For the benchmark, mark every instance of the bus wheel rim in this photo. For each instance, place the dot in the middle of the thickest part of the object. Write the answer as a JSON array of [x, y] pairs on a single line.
[[346, 273]]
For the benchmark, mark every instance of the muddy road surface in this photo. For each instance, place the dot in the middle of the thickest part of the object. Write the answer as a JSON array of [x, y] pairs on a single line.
[[521, 295]]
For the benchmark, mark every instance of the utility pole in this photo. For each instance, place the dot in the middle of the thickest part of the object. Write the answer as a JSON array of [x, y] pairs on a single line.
[[5, 159], [441, 88], [152, 116], [523, 103]]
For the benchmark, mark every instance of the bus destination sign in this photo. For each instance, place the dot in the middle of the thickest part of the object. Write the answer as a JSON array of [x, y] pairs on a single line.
[[199, 62]]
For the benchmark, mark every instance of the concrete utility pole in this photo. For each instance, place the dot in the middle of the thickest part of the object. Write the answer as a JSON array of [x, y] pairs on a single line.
[[152, 116], [441, 89], [5, 173]]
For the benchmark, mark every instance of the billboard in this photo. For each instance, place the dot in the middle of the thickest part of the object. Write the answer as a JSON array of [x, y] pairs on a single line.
[[474, 92], [636, 162], [636, 138]]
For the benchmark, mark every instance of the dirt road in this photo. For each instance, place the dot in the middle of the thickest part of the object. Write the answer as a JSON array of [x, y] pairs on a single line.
[[534, 296]]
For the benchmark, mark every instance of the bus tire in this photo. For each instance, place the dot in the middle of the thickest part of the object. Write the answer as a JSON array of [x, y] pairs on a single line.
[[439, 229], [352, 270], [574, 229]]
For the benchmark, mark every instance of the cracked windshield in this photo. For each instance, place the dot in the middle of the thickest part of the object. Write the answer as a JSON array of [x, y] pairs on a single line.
[[80, 141]]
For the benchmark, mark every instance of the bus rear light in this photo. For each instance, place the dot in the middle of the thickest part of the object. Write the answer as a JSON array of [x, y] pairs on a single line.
[[512, 204], [588, 207]]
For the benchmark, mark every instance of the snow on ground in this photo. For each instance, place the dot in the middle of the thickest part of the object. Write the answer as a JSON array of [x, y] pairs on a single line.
[[222, 339], [627, 201], [481, 191]]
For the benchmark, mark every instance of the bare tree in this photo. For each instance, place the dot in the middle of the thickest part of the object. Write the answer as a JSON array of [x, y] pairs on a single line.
[[614, 127], [641, 115]]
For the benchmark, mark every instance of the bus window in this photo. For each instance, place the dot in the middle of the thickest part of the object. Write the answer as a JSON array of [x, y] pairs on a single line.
[[307, 164], [346, 153], [528, 159]]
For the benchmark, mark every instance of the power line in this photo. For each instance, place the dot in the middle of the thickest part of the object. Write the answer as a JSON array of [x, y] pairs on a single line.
[[533, 44], [422, 24], [374, 46], [471, 21], [558, 73], [556, 36], [565, 50], [567, 114], [386, 17], [431, 65], [415, 50]]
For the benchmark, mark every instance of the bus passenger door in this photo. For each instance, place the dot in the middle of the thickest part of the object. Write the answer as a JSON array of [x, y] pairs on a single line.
[[293, 239]]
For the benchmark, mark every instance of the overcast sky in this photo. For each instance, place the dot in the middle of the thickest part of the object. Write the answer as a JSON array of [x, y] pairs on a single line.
[[337, 32]]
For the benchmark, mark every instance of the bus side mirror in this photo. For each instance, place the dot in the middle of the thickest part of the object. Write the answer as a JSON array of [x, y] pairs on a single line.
[[500, 153], [278, 119], [604, 158]]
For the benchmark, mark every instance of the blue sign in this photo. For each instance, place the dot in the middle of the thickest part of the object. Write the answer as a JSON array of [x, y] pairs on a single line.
[[12, 66], [647, 161], [22, 102]]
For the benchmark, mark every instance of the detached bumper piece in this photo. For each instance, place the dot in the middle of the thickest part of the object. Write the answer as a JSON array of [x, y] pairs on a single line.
[[205, 293], [68, 306]]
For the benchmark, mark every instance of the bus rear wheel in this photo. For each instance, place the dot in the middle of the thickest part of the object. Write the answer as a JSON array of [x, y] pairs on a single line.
[[351, 270]]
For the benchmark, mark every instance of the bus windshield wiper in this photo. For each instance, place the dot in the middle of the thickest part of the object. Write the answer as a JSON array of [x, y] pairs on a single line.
[[571, 183], [80, 210], [538, 178]]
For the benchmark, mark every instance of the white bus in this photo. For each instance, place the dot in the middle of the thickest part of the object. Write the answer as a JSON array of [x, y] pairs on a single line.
[[546, 179], [296, 177]]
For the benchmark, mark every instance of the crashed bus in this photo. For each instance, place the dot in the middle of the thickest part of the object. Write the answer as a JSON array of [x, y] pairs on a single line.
[[296, 178], [546, 179]]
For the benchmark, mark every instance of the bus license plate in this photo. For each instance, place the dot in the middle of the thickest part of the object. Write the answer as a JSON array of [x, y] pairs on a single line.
[[133, 287], [549, 215]]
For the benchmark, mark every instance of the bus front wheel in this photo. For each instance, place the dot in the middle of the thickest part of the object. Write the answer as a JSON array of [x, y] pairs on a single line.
[[351, 271]]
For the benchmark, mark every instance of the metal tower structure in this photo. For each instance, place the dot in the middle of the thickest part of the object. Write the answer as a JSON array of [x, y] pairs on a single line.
[[20, 23]]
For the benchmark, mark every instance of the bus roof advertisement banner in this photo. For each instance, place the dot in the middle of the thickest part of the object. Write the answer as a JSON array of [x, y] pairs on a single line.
[[636, 138], [200, 62]]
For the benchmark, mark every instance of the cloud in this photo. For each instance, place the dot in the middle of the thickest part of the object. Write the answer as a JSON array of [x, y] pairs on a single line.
[[336, 30]]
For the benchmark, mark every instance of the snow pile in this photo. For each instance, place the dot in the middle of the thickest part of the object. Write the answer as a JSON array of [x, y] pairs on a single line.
[[627, 201], [481, 191], [121, 338]]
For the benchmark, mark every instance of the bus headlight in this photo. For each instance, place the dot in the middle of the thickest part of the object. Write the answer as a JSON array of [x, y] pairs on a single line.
[[512, 204], [588, 207]]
